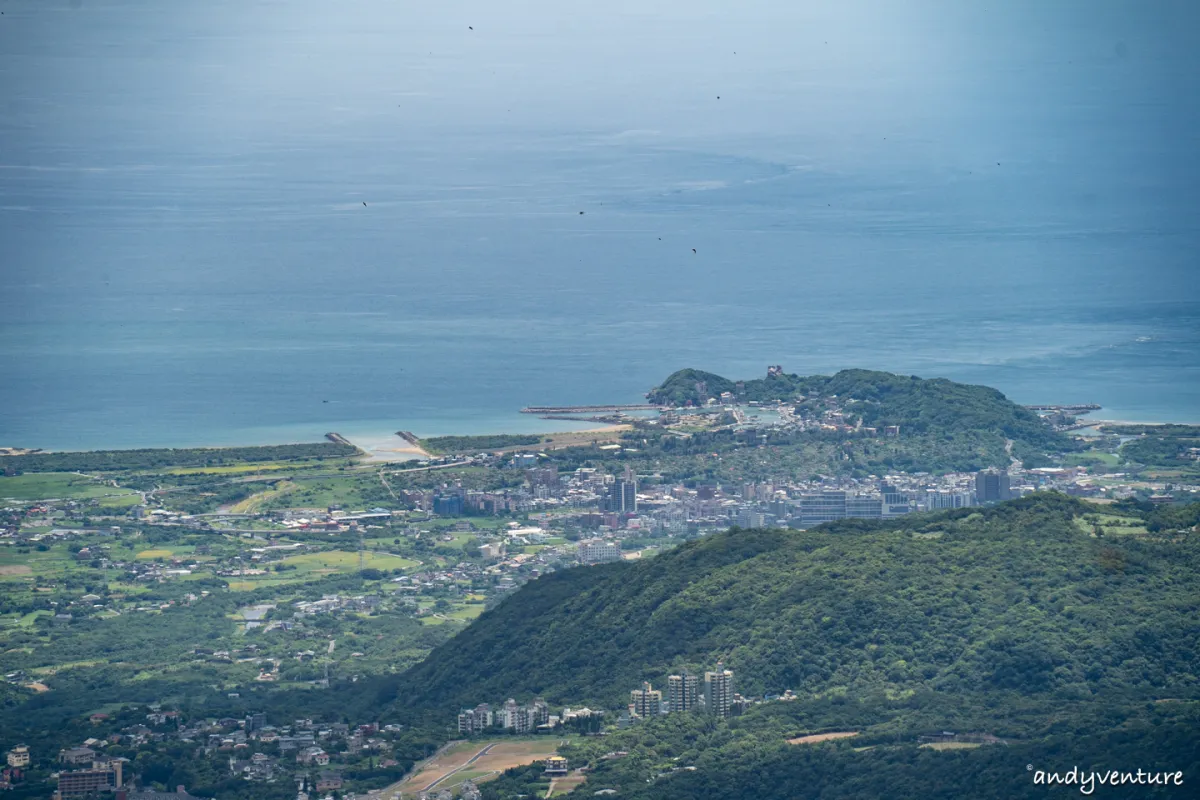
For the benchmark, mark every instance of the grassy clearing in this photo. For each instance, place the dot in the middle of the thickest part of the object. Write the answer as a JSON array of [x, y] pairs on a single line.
[[331, 561], [310, 566], [249, 584], [1112, 524], [120, 500], [54, 561], [256, 501], [150, 555], [26, 620], [566, 784], [57, 485], [951, 745], [468, 612], [324, 491], [238, 469], [458, 778], [1090, 457], [815, 738], [509, 754]]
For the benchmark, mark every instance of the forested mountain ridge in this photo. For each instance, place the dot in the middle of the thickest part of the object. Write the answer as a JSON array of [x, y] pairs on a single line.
[[1021, 597]]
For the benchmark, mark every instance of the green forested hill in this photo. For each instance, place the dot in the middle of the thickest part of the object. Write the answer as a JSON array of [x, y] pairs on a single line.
[[691, 756], [936, 407], [1018, 598]]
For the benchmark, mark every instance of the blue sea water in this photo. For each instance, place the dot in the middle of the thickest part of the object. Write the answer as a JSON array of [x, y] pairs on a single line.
[[1001, 193]]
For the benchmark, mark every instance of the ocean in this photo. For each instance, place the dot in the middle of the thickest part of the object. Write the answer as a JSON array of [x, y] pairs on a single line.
[[248, 221]]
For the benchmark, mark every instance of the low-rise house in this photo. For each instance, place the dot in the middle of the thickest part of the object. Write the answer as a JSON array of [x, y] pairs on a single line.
[[312, 755], [77, 755], [329, 781]]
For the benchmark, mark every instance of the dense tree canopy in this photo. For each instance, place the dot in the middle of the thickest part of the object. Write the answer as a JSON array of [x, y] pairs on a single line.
[[170, 457], [1021, 597]]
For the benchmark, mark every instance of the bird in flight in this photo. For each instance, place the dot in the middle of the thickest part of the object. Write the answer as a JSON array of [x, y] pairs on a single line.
[[364, 202], [693, 249]]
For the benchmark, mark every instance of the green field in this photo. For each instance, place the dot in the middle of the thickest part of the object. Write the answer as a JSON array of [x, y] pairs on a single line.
[[312, 566], [467, 612], [1091, 457], [1112, 524], [59, 485], [319, 492], [159, 552], [35, 562], [266, 466], [332, 561]]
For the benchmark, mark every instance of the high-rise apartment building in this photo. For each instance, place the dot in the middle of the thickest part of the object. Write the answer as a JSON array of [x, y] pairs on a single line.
[[541, 711], [647, 701], [683, 692], [622, 496], [475, 720], [718, 691], [991, 486]]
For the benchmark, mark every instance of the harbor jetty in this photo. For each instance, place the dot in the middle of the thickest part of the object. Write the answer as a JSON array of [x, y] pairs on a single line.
[[409, 437]]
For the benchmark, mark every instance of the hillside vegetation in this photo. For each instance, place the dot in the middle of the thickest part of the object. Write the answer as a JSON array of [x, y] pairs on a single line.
[[475, 444], [921, 407], [1014, 621], [1021, 597], [159, 458]]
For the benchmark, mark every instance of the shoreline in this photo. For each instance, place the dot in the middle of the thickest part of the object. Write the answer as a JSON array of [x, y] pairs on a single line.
[[1096, 422], [377, 438], [371, 443]]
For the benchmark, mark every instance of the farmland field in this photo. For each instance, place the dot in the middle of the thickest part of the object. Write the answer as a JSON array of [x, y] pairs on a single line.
[[331, 561], [61, 485]]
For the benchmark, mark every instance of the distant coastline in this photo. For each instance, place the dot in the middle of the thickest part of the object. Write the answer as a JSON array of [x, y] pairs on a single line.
[[378, 447]]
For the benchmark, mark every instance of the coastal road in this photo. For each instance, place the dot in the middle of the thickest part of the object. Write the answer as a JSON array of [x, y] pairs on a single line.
[[437, 466]]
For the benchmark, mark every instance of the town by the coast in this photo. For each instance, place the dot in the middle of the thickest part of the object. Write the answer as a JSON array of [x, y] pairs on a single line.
[[302, 567]]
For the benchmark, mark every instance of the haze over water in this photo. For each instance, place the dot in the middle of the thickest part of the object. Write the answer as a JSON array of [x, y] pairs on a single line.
[[1000, 193]]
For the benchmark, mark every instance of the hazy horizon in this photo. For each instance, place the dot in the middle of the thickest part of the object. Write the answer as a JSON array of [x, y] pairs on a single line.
[[1002, 195]]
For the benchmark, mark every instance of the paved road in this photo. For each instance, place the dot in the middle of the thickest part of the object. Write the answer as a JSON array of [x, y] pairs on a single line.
[[468, 763]]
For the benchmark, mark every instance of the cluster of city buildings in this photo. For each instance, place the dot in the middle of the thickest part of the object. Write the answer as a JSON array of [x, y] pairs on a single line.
[[710, 692], [252, 749], [688, 692], [509, 717], [626, 507]]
